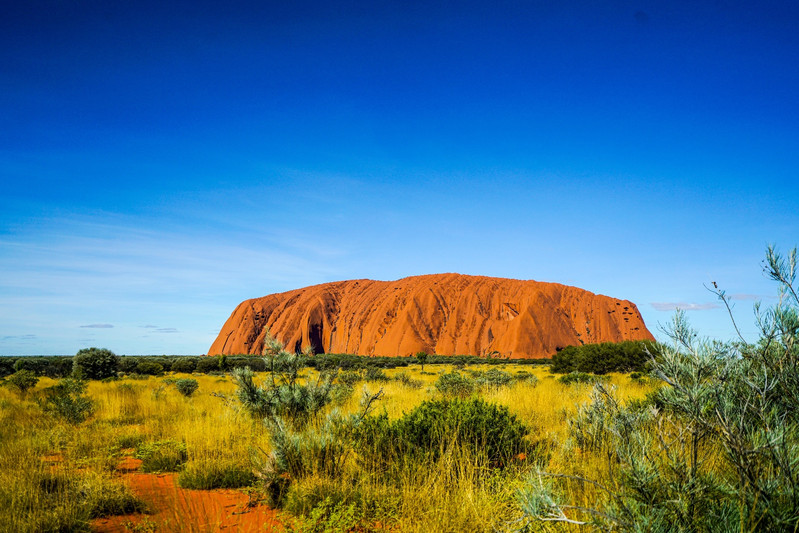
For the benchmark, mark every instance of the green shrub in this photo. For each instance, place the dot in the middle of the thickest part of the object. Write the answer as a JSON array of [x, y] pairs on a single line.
[[494, 378], [7, 366], [147, 368], [455, 384], [408, 381], [523, 376], [207, 364], [215, 474], [713, 449], [350, 378], [283, 396], [50, 366], [22, 381], [95, 363], [184, 365], [253, 362], [626, 356], [162, 456], [374, 373], [67, 401], [485, 430], [186, 386]]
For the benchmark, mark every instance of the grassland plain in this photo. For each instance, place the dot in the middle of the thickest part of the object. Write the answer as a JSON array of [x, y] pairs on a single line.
[[59, 476]]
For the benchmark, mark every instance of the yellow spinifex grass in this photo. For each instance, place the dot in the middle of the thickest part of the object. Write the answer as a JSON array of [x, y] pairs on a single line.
[[452, 494]]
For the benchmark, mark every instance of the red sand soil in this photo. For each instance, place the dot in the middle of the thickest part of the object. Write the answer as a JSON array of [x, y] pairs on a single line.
[[175, 509], [441, 314]]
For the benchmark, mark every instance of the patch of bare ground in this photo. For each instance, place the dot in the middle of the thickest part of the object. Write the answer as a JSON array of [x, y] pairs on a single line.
[[172, 508]]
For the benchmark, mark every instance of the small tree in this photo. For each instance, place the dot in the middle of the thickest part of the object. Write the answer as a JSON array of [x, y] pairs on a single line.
[[95, 363], [422, 358], [23, 380]]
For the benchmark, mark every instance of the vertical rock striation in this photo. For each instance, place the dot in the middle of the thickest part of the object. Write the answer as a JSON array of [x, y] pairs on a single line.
[[442, 314]]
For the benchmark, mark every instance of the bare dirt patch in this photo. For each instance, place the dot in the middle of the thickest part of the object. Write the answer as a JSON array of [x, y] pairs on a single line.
[[183, 510]]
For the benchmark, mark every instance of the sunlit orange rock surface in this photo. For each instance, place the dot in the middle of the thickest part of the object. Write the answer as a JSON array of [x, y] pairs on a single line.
[[444, 314]]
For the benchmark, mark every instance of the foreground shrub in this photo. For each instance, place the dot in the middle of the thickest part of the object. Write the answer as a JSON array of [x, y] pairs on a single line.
[[95, 363], [215, 474], [67, 401], [162, 456], [485, 430], [187, 386], [714, 449], [283, 396], [22, 381]]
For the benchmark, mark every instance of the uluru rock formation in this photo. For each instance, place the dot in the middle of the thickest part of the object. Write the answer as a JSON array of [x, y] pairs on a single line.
[[443, 314]]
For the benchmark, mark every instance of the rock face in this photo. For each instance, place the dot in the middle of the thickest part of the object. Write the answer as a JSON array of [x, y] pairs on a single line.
[[443, 314]]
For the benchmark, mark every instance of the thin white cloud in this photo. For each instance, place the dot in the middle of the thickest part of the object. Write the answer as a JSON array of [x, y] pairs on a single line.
[[741, 296], [166, 330], [98, 326], [685, 306]]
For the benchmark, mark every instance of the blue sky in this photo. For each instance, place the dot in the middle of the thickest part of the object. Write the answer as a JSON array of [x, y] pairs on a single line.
[[160, 162]]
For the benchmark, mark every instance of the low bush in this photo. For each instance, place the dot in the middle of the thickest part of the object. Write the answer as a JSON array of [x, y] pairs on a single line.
[[455, 384], [66, 400], [22, 381], [52, 367], [147, 368], [161, 456], [494, 379], [374, 373], [187, 386], [408, 381], [254, 363], [349, 377], [483, 429], [626, 356], [184, 365], [208, 364]]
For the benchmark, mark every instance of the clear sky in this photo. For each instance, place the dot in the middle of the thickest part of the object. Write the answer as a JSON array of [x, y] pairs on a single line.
[[162, 161]]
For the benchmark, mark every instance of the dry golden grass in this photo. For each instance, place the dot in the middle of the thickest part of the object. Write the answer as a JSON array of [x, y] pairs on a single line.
[[451, 495]]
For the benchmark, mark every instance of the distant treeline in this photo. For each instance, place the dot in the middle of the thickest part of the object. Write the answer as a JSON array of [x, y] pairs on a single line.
[[58, 366], [626, 356]]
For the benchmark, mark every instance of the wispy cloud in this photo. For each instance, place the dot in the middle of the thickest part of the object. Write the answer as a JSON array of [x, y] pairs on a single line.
[[685, 306], [20, 337], [752, 297], [166, 330], [149, 326], [98, 326]]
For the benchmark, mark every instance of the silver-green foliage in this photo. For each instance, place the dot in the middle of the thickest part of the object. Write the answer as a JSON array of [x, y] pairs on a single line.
[[715, 449]]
